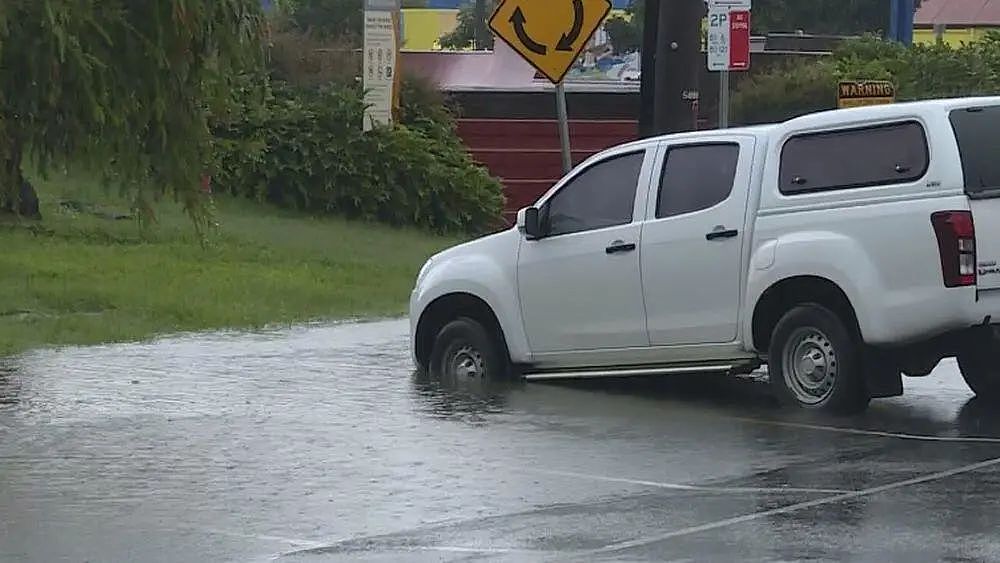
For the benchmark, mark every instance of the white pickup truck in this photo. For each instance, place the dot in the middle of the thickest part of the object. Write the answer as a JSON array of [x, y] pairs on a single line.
[[843, 249]]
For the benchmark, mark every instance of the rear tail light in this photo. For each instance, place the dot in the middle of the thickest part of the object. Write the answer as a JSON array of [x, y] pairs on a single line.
[[956, 234]]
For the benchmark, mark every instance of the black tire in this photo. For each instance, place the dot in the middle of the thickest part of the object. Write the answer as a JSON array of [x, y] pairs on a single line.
[[980, 365], [833, 379], [465, 341]]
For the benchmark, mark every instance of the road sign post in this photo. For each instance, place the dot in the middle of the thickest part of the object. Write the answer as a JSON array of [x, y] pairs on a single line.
[[728, 45], [550, 36], [563, 115], [724, 99]]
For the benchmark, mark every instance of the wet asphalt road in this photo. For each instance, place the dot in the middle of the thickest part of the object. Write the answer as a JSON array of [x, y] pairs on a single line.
[[318, 444]]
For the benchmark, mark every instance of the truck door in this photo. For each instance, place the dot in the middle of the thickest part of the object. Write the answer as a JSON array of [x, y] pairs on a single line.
[[579, 284], [977, 131], [692, 244]]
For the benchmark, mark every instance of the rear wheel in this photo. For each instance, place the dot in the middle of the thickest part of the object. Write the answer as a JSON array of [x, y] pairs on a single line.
[[816, 361], [464, 350], [980, 365]]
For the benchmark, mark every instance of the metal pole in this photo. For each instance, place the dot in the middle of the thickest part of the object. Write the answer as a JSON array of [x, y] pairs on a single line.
[[906, 22], [901, 21], [939, 31], [724, 99], [567, 156], [665, 75], [894, 23], [678, 61], [647, 94]]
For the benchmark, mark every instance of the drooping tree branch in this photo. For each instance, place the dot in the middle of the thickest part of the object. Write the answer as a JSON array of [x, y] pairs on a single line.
[[121, 85]]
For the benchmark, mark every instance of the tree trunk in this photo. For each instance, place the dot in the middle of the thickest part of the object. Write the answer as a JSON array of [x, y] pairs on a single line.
[[17, 195], [27, 201]]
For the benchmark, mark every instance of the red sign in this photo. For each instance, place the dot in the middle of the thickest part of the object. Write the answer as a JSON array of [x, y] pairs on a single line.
[[739, 40]]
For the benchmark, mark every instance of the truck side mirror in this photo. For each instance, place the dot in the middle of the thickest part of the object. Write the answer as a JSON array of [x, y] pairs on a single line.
[[529, 223]]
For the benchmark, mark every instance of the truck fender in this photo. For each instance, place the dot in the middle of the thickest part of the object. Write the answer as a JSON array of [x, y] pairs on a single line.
[[482, 278], [819, 254]]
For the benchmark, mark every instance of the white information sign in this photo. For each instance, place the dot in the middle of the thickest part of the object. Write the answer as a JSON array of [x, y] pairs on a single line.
[[728, 39], [718, 38], [380, 59]]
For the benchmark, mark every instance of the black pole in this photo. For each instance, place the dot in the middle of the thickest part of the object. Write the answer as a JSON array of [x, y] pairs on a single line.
[[678, 61], [647, 95]]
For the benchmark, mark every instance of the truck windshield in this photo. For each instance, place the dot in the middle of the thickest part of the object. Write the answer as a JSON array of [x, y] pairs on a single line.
[[978, 133]]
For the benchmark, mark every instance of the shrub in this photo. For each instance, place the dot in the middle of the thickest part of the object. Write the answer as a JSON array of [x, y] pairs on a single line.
[[304, 148], [423, 106], [306, 60], [786, 92], [919, 72]]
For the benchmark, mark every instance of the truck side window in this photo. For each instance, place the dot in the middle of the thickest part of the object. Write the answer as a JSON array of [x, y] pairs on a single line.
[[601, 196], [854, 158], [696, 177]]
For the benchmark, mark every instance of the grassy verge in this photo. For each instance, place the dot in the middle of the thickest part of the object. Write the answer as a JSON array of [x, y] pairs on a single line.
[[81, 277]]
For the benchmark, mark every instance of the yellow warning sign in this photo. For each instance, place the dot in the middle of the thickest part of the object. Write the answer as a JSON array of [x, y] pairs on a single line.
[[857, 93], [549, 34]]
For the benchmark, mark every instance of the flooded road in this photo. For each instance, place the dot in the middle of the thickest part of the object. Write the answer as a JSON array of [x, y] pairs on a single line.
[[319, 444]]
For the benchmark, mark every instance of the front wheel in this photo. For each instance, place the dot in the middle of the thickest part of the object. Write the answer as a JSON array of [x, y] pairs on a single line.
[[464, 350], [980, 365], [816, 362]]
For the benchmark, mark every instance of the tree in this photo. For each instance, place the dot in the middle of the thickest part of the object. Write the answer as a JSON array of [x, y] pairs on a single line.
[[841, 17], [341, 20], [464, 35], [626, 32], [121, 85]]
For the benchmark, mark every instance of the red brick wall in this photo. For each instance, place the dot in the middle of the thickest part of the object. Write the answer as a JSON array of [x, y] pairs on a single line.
[[525, 154]]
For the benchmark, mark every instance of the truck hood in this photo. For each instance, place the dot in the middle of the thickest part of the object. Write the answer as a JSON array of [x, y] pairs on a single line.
[[487, 244]]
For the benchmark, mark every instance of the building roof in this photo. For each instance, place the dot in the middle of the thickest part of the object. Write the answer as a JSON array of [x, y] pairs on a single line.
[[959, 13]]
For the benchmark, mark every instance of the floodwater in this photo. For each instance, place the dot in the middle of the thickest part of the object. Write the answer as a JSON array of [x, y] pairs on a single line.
[[320, 444]]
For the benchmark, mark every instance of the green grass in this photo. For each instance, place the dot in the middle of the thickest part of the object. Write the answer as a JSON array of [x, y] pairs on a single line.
[[81, 278]]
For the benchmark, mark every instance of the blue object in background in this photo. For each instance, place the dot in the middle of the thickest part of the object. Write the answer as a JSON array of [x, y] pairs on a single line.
[[605, 64], [901, 21]]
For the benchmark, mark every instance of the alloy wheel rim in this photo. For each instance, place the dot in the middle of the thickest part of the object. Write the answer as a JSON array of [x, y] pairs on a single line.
[[467, 362]]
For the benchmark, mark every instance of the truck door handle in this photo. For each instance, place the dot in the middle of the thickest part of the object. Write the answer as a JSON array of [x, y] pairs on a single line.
[[619, 247], [719, 235]]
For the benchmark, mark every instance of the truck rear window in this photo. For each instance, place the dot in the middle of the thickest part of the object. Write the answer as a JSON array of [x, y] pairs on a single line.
[[846, 159], [977, 131]]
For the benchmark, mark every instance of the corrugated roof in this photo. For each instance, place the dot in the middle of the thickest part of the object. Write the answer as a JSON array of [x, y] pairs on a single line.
[[959, 13]]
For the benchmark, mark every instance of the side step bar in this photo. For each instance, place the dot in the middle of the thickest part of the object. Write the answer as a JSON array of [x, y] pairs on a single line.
[[638, 372]]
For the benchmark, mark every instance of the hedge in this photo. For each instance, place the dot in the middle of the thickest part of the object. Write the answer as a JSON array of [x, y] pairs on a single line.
[[919, 72], [303, 147]]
